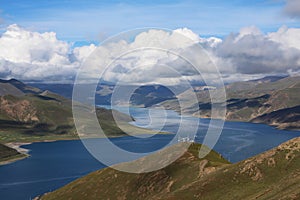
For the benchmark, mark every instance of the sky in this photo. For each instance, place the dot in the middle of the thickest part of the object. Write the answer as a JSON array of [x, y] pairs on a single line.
[[50, 39], [79, 20]]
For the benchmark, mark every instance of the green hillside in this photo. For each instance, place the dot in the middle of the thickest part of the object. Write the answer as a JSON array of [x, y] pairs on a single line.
[[28, 114], [270, 175], [7, 153], [34, 115], [16, 88]]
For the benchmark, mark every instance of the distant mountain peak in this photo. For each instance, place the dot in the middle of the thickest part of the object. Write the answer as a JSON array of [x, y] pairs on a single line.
[[269, 79]]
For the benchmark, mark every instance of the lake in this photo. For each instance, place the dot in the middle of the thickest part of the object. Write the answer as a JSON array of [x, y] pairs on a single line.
[[54, 164]]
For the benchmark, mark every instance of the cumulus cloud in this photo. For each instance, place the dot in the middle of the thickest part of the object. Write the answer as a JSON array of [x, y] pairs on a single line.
[[249, 54], [31, 55], [252, 52], [81, 53], [292, 8], [245, 55], [154, 56], [287, 37], [19, 45]]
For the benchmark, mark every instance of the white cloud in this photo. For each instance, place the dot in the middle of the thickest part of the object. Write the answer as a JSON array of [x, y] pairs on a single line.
[[153, 56], [28, 55], [19, 45], [246, 31], [252, 52], [31, 55], [81, 53], [288, 37]]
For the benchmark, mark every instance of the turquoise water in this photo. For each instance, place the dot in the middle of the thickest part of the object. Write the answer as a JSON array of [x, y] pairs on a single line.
[[54, 164]]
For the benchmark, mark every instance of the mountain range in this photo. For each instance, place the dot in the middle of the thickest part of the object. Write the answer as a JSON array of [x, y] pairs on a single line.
[[259, 101]]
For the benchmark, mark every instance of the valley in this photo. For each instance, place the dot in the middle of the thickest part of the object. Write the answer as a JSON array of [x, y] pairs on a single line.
[[29, 114]]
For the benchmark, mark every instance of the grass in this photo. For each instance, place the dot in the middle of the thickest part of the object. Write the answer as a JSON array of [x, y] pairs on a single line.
[[272, 175], [11, 159], [15, 136], [55, 120], [111, 184], [7, 153]]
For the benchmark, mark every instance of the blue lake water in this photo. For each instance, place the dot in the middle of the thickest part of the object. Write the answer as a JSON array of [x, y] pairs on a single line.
[[54, 164]]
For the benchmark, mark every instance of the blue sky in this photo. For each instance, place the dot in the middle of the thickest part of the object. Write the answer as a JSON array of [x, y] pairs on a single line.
[[78, 20]]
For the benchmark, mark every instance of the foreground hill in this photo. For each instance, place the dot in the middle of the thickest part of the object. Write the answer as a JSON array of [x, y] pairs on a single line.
[[111, 184], [271, 175]]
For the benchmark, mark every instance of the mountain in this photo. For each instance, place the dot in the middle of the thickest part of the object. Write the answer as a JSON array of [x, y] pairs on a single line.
[[249, 101], [147, 96], [64, 90], [35, 115], [16, 88], [270, 175], [7, 88], [268, 79], [142, 96], [28, 113], [246, 101], [287, 118], [103, 92]]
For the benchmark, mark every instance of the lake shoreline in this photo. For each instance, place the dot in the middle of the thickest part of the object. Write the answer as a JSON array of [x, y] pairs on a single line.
[[25, 153], [274, 125], [14, 159], [17, 146]]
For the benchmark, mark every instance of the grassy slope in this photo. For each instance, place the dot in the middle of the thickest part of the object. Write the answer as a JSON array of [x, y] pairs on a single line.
[[56, 122], [111, 184], [6, 88], [33, 116], [274, 174], [48, 116], [271, 175], [7, 153]]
